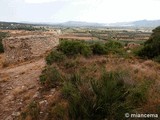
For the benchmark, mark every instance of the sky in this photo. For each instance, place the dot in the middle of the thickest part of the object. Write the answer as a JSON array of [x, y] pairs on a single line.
[[99, 11]]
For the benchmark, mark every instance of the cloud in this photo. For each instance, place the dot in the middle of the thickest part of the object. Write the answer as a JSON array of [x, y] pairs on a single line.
[[41, 1], [77, 2]]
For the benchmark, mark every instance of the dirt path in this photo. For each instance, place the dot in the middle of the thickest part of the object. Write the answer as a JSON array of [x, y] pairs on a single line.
[[18, 85]]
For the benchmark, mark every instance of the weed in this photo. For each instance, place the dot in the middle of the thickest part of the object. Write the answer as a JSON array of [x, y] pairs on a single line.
[[55, 56], [99, 48], [72, 48], [50, 77]]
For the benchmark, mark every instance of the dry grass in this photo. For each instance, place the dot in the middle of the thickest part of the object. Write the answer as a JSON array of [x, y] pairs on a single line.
[[1, 60], [136, 72], [19, 90]]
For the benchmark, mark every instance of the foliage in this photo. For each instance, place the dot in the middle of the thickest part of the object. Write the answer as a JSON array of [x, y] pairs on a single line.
[[151, 47], [105, 98], [74, 47], [114, 47], [2, 35], [55, 56], [139, 94], [99, 48], [50, 77], [157, 58], [32, 111]]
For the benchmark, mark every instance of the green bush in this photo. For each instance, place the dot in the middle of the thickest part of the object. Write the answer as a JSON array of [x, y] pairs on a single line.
[[115, 47], [157, 59], [86, 51], [55, 56], [105, 98], [50, 77], [151, 47], [99, 48], [2, 35], [74, 47], [32, 112]]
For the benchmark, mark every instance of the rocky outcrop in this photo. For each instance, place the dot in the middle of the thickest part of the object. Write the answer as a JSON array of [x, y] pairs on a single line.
[[18, 49]]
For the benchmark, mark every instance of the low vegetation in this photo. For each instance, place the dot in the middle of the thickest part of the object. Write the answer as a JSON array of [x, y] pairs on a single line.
[[55, 56], [2, 36], [72, 48], [95, 81], [151, 47]]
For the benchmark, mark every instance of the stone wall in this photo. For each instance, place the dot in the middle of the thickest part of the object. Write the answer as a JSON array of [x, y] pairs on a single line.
[[18, 49]]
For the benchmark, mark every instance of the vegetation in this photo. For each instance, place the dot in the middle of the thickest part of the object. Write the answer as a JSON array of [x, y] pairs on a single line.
[[86, 49], [99, 99], [33, 111], [2, 36], [19, 26], [103, 97], [72, 48], [151, 47], [50, 77], [55, 56], [97, 88], [88, 91], [99, 48]]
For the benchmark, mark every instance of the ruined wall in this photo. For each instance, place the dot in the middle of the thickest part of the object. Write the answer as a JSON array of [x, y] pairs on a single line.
[[18, 49]]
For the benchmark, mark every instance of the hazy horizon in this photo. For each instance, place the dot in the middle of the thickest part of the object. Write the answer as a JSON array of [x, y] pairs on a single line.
[[95, 11]]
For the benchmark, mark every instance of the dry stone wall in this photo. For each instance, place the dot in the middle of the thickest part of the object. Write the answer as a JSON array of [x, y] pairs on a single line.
[[18, 49]]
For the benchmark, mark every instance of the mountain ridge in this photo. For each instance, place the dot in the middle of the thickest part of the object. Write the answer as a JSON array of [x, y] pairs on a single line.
[[138, 23]]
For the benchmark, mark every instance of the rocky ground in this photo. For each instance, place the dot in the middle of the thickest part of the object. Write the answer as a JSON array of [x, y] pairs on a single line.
[[19, 84]]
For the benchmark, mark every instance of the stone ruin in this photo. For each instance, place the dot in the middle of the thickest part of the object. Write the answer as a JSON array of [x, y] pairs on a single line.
[[22, 48]]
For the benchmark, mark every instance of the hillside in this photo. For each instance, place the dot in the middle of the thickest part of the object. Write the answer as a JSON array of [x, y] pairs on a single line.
[[91, 79], [140, 23]]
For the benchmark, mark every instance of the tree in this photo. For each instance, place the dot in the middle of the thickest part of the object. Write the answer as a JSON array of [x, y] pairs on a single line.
[[151, 47]]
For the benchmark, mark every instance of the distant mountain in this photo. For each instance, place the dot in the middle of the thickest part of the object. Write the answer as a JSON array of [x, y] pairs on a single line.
[[80, 24], [140, 23]]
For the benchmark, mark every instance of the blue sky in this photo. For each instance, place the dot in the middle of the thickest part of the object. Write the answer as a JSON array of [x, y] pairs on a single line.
[[101, 11]]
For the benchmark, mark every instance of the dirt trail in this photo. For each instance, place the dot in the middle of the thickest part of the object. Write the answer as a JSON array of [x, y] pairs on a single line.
[[18, 85]]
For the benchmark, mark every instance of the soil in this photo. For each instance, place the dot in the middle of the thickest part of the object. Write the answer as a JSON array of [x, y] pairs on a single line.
[[18, 85]]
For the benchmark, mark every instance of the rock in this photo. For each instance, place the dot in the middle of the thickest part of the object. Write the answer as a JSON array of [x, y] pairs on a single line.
[[36, 95], [41, 112], [16, 114], [9, 118], [16, 76], [53, 90], [128, 51], [19, 90], [31, 87], [43, 102], [9, 98]]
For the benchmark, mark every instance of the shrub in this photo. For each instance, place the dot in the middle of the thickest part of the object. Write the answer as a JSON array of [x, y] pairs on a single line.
[[55, 56], [32, 112], [86, 51], [99, 48], [105, 98], [151, 47], [50, 77], [2, 35], [139, 93], [57, 112], [74, 47], [114, 47], [157, 58]]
